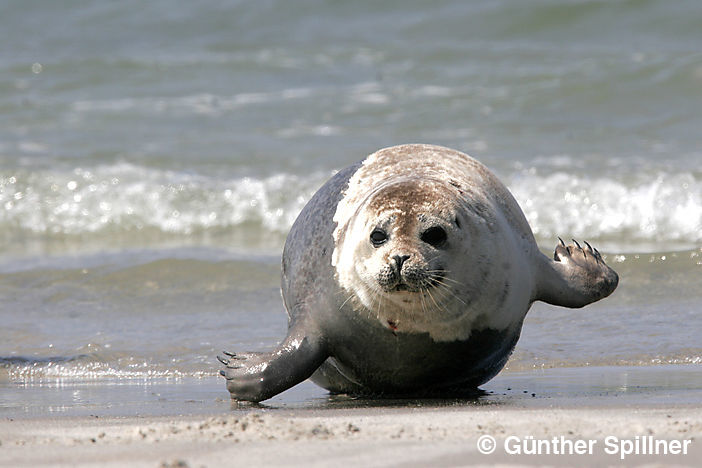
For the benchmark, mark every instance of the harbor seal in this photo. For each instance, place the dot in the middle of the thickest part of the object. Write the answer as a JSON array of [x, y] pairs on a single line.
[[410, 274]]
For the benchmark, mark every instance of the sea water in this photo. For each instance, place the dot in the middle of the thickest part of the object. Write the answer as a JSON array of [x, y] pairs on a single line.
[[153, 157]]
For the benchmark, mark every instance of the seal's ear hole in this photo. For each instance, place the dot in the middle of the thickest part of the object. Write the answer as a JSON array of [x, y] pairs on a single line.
[[378, 237], [457, 222], [434, 236]]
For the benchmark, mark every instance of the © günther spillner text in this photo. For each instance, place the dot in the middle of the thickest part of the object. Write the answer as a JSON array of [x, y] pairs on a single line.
[[611, 445]]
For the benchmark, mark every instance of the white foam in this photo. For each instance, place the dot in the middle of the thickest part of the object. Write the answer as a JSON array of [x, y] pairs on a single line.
[[97, 370], [658, 208], [663, 209], [126, 197]]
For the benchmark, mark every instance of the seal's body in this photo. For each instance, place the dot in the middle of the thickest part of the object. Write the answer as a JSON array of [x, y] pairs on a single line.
[[411, 273]]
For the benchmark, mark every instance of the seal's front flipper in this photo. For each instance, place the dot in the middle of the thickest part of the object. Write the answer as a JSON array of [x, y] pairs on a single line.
[[576, 276], [259, 376]]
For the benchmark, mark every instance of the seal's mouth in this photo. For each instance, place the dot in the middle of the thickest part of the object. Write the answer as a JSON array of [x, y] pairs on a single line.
[[404, 288]]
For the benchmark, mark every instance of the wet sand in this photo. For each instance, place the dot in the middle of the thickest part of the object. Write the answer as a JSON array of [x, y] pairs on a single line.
[[601, 412]]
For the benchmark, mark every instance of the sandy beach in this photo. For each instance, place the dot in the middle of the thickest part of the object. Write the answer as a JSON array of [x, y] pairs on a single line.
[[376, 437], [577, 416]]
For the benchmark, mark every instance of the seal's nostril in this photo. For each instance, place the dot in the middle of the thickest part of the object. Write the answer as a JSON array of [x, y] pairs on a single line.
[[399, 260]]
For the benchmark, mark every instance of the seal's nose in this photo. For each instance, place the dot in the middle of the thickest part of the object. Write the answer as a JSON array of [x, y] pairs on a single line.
[[399, 260]]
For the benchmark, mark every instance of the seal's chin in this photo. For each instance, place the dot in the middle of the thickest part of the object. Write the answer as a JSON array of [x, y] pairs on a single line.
[[401, 287]]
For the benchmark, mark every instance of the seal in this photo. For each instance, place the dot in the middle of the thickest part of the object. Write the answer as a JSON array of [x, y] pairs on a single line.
[[410, 273]]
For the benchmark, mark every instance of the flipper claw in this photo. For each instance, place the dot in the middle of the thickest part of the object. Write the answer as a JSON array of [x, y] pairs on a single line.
[[223, 360], [233, 356], [562, 250]]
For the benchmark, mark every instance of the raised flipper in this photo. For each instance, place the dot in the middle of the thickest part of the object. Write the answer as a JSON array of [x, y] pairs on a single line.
[[576, 276], [259, 376]]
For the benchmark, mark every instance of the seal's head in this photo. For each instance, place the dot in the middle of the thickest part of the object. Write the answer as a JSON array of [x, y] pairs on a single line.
[[398, 255], [409, 233]]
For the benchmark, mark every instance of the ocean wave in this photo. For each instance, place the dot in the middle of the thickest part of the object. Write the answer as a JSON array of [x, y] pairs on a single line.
[[353, 96], [661, 208], [127, 197], [204, 103]]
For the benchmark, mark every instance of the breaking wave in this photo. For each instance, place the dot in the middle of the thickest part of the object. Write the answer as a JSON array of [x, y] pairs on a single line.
[[126, 199], [663, 209]]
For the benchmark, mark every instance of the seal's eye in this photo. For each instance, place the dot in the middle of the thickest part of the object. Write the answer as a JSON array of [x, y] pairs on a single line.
[[434, 236], [378, 237]]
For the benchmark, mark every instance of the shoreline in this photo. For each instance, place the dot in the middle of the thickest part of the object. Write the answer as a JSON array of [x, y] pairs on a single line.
[[607, 412], [564, 387]]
